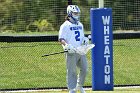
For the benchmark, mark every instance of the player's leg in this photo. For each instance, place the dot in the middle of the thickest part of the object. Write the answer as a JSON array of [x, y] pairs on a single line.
[[82, 64], [71, 72]]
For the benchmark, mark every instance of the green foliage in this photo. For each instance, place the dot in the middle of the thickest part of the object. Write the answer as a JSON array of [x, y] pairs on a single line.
[[20, 26], [125, 13], [27, 12], [41, 25]]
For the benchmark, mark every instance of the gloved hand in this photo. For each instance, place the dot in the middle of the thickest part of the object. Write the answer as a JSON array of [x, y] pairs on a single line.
[[85, 41], [69, 48]]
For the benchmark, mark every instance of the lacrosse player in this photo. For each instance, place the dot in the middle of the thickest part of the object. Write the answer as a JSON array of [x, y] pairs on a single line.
[[71, 36]]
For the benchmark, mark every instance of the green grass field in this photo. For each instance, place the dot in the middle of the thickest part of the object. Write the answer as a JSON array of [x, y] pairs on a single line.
[[21, 64], [116, 90]]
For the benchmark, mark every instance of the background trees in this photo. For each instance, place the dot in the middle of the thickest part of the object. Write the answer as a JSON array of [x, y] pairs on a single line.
[[48, 15]]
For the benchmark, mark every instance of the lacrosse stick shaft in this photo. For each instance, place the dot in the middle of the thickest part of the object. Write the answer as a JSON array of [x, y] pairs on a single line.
[[54, 53]]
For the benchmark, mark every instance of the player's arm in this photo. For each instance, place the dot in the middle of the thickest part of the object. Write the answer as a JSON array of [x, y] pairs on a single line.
[[62, 41], [67, 47]]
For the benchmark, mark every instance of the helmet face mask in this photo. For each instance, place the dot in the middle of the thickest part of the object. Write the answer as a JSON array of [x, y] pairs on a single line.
[[73, 11], [76, 15]]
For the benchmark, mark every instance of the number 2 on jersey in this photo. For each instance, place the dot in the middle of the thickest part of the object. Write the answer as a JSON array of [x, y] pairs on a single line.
[[77, 37]]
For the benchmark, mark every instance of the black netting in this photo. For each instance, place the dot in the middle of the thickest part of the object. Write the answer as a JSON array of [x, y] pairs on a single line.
[[21, 64]]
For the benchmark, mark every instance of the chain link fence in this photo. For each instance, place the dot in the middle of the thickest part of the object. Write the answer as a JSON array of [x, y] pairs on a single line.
[[21, 64], [48, 15]]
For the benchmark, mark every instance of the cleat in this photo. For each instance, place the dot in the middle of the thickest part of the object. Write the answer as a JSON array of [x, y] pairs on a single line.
[[81, 89], [72, 91]]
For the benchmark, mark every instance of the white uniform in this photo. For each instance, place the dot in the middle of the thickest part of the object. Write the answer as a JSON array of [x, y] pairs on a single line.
[[73, 34]]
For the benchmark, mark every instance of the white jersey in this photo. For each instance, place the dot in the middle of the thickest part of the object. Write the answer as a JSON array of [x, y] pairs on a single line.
[[72, 33]]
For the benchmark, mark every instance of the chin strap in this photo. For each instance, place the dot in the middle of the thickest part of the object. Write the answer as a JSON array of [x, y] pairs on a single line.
[[73, 20]]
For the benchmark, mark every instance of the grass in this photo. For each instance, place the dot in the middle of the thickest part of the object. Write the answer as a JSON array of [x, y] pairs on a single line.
[[116, 90], [126, 61], [21, 64]]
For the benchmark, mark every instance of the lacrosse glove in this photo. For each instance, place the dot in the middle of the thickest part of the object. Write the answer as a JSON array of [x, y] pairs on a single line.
[[85, 41], [69, 48]]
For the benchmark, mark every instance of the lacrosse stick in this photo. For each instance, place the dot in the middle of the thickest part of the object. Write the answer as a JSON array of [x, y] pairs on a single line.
[[82, 50], [54, 53]]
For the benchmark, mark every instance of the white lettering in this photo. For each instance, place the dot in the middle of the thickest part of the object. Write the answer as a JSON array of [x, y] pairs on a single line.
[[106, 30], [107, 58], [106, 40], [106, 20], [107, 79], [107, 69], [106, 51]]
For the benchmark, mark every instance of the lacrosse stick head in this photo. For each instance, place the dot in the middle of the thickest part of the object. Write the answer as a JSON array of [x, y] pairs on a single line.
[[82, 50]]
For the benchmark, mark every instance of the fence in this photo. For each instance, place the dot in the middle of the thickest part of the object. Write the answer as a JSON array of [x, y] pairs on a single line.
[[48, 15], [21, 63], [22, 66]]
